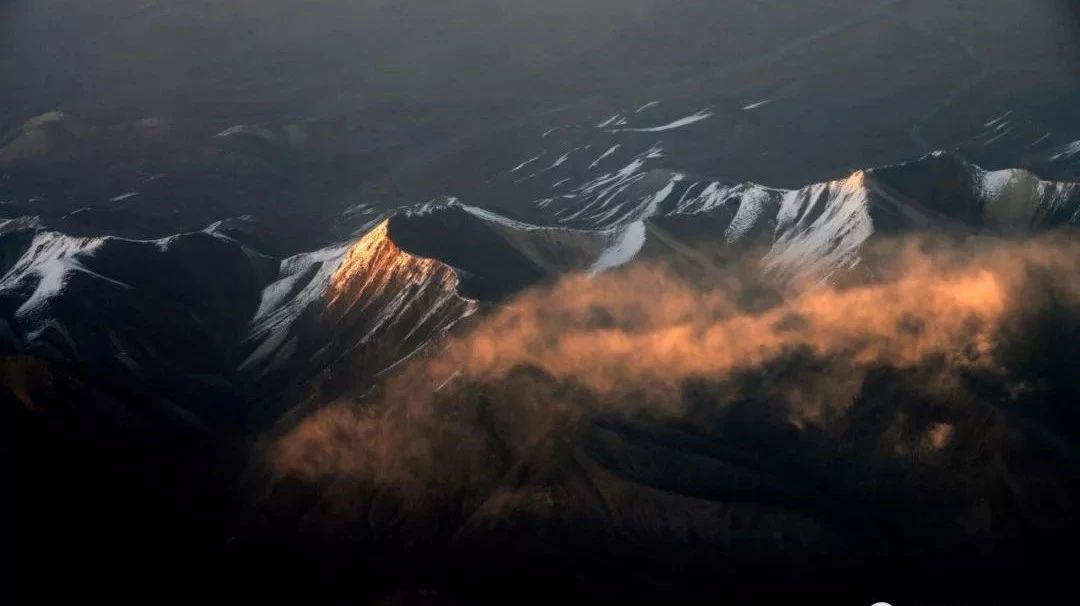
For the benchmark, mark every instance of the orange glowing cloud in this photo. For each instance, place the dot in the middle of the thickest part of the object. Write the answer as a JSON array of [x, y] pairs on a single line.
[[625, 343]]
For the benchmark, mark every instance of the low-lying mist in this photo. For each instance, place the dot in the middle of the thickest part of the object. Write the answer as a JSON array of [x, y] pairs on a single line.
[[928, 392]]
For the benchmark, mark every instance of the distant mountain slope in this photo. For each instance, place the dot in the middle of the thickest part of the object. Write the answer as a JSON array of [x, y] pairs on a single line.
[[193, 347], [819, 228], [207, 312]]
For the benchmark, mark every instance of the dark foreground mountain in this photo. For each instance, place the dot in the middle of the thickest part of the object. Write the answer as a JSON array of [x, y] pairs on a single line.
[[921, 458], [907, 434]]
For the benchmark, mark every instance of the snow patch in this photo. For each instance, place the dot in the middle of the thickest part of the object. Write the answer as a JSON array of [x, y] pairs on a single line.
[[757, 104], [1068, 151], [991, 184], [654, 202], [487, 215], [704, 114], [303, 279], [610, 121], [359, 209], [751, 205], [1040, 139], [51, 258], [999, 136], [526, 163], [813, 243], [998, 119], [610, 151], [560, 161], [601, 202], [628, 244]]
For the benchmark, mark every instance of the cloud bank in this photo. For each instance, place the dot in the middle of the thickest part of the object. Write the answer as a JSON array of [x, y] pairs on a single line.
[[536, 415]]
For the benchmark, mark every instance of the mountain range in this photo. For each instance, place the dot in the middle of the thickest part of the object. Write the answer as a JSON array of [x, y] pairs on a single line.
[[194, 354]]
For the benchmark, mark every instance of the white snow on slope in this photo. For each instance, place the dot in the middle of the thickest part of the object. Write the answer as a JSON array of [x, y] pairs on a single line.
[[750, 198], [1041, 139], [998, 120], [52, 275], [999, 136], [601, 201], [680, 123], [1055, 196], [991, 184], [610, 151], [1000, 126], [627, 245], [1068, 151], [646, 106], [610, 121], [816, 242], [487, 215], [397, 294], [1044, 197], [714, 194], [751, 205], [23, 222], [559, 162], [50, 259], [654, 202], [303, 280], [757, 104], [359, 209], [565, 157], [526, 163], [424, 208]]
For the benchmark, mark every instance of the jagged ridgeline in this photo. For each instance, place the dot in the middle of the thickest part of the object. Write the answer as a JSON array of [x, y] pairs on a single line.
[[512, 301], [191, 346], [211, 310]]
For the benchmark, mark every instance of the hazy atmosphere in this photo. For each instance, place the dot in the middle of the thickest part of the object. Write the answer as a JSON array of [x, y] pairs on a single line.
[[394, 103], [490, 301]]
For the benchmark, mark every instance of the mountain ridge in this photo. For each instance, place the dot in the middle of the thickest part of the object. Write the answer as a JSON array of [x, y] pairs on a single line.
[[273, 323]]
